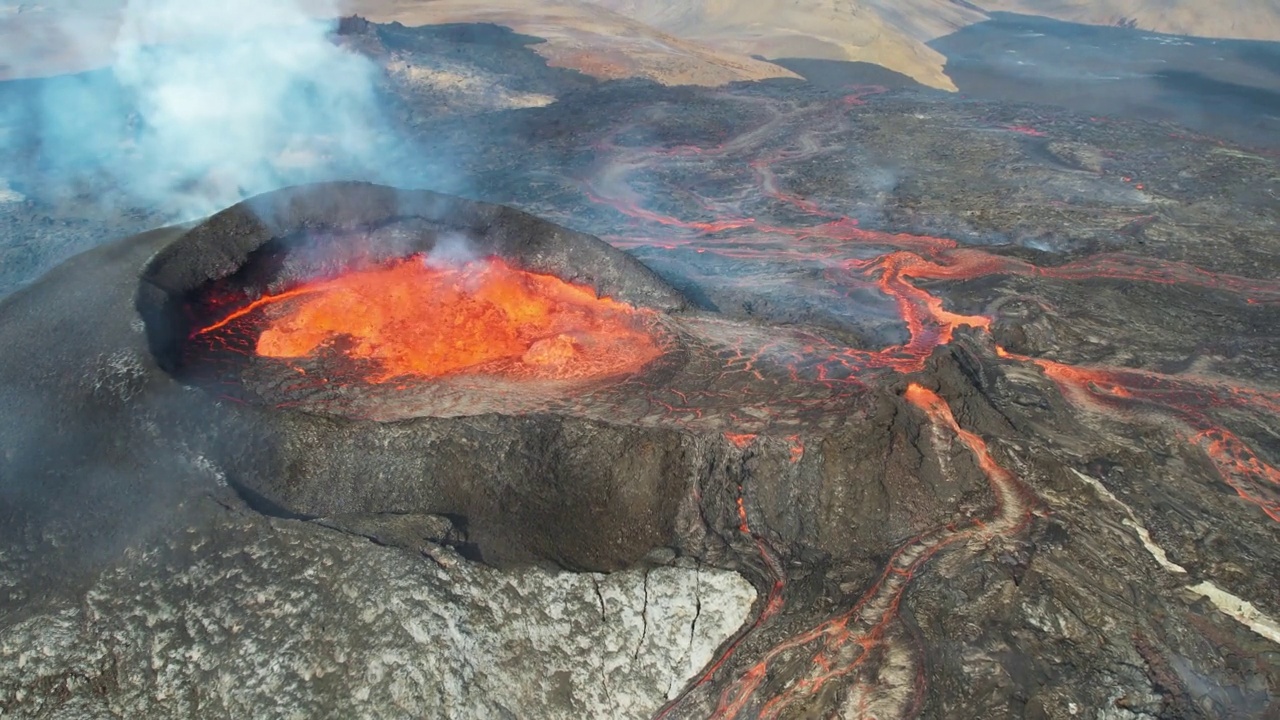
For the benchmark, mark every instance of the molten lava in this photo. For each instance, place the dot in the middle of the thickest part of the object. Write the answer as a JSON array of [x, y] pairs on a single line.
[[415, 319]]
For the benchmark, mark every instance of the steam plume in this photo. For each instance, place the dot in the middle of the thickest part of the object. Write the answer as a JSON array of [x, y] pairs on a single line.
[[451, 250], [211, 101]]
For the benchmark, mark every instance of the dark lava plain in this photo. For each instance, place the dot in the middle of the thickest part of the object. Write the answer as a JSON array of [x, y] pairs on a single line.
[[985, 401], [1227, 88]]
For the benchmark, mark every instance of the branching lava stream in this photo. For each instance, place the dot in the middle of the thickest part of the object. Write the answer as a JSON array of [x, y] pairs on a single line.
[[859, 647], [861, 650]]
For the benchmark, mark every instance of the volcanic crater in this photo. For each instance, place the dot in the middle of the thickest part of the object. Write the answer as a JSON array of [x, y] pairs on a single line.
[[412, 304], [406, 351]]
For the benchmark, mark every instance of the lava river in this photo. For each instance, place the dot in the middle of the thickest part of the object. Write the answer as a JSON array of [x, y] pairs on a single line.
[[863, 650]]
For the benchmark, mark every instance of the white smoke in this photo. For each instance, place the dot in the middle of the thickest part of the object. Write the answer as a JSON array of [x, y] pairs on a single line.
[[451, 250], [205, 102], [236, 97]]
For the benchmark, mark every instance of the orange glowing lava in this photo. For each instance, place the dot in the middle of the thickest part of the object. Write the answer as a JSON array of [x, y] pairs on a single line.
[[863, 651], [850, 646], [1186, 398], [418, 320]]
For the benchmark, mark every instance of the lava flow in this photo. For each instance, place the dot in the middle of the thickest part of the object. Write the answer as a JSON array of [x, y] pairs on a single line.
[[775, 234], [416, 319], [861, 649], [1186, 398], [773, 603]]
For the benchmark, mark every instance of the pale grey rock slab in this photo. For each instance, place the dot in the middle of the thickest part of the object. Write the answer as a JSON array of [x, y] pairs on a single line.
[[250, 617]]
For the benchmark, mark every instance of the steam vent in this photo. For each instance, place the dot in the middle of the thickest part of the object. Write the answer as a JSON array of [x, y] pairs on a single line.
[[453, 433]]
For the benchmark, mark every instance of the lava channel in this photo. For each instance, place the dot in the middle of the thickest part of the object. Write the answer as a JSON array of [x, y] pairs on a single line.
[[413, 319], [1187, 400], [861, 649]]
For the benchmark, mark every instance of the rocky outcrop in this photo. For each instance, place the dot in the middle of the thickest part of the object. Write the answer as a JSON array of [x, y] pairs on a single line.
[[236, 615]]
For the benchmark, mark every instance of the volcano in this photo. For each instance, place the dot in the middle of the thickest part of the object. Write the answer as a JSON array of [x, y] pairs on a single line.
[[318, 321], [307, 313], [354, 354], [760, 401]]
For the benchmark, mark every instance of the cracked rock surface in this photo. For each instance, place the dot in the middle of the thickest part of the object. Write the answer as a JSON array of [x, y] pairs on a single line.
[[245, 616]]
